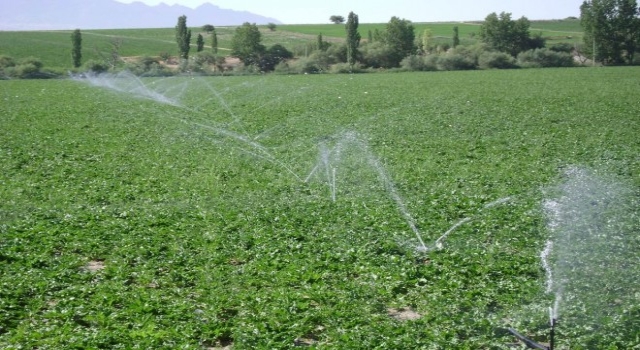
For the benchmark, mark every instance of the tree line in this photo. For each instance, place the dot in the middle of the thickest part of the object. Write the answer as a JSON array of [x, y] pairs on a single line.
[[611, 37]]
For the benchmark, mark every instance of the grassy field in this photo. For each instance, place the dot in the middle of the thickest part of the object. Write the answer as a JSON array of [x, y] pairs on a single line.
[[270, 211], [53, 47]]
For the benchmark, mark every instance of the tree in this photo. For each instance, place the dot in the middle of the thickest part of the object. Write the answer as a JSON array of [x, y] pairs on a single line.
[[399, 36], [183, 37], [208, 28], [246, 44], [272, 27], [456, 37], [353, 38], [504, 34], [321, 44], [214, 41], [336, 19], [369, 36], [76, 48], [272, 56], [611, 30], [199, 43], [427, 40]]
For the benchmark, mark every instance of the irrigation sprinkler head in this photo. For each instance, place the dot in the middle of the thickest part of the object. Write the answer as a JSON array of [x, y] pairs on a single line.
[[534, 345]]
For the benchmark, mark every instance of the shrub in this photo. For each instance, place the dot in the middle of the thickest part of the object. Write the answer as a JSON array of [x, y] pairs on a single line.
[[419, 63], [32, 61], [147, 65], [305, 65], [542, 58], [96, 66], [338, 53], [6, 61], [26, 70], [343, 68], [562, 47], [456, 61], [282, 68], [377, 55], [496, 60]]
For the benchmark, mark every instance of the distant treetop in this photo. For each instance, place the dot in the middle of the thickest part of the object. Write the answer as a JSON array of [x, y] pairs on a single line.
[[336, 19]]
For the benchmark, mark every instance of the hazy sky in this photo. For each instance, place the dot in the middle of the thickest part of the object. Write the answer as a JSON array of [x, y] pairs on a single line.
[[380, 11]]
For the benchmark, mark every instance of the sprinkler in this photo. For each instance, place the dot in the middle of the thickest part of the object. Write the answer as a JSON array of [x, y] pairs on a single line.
[[532, 344]]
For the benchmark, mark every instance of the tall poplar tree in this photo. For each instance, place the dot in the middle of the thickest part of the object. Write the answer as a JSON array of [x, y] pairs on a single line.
[[214, 41], [456, 37], [76, 48], [353, 38], [183, 37], [199, 43]]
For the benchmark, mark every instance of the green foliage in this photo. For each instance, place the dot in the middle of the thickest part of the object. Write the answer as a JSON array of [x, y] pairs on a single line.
[[96, 66], [562, 47], [321, 44], [183, 37], [377, 55], [246, 44], [6, 61], [317, 62], [496, 60], [419, 63], [336, 19], [272, 26], [149, 66], [199, 43], [399, 36], [76, 48], [208, 28], [214, 41], [198, 241], [345, 68], [612, 29], [544, 58], [456, 61], [353, 38], [426, 40], [272, 56], [504, 34], [456, 36]]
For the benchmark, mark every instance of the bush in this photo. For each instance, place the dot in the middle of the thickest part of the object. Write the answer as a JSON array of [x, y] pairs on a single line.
[[96, 66], [542, 58], [377, 55], [26, 70], [6, 61], [562, 47], [150, 66], [344, 68], [419, 63], [338, 53], [456, 61], [282, 68], [32, 61], [305, 65], [496, 60]]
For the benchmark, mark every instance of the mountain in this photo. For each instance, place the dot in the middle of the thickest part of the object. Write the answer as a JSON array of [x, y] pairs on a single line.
[[110, 14]]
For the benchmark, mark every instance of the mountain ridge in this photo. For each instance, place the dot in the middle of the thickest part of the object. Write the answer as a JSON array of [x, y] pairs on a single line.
[[111, 14]]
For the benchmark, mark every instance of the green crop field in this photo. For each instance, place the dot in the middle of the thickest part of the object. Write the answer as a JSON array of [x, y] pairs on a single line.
[[275, 211]]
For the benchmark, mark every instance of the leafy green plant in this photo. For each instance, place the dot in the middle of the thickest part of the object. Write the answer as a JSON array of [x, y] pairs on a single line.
[[198, 220]]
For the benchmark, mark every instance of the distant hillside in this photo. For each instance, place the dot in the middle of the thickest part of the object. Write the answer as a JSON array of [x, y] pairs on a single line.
[[110, 14]]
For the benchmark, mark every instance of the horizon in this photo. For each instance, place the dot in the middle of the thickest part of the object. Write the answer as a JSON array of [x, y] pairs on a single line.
[[308, 12]]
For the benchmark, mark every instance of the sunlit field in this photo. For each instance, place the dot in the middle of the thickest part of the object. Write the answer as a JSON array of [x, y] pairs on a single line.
[[390, 211]]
